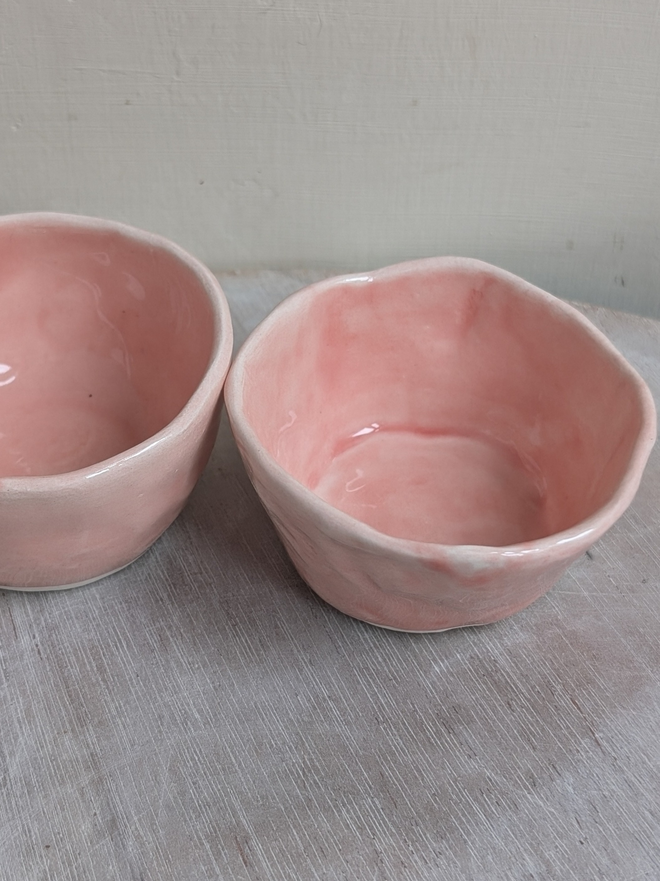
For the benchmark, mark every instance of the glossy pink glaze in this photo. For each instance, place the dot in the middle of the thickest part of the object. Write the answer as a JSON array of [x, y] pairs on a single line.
[[114, 346], [437, 441]]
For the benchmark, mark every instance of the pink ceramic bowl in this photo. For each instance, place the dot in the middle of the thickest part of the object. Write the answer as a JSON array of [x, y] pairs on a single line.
[[114, 347], [437, 441]]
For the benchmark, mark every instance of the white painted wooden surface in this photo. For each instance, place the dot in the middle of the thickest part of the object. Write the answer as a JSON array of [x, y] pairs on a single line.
[[202, 716], [349, 132]]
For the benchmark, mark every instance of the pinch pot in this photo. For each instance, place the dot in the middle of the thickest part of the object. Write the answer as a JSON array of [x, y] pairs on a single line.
[[436, 441], [114, 347]]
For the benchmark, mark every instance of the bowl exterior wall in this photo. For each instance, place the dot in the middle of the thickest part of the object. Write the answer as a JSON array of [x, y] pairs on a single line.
[[90, 526]]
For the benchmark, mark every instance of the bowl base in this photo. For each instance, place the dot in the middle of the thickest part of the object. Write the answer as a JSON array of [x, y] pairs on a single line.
[[408, 629], [74, 584], [403, 629], [421, 630]]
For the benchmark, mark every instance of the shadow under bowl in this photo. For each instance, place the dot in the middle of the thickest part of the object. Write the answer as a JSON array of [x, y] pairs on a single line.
[[436, 441], [114, 347]]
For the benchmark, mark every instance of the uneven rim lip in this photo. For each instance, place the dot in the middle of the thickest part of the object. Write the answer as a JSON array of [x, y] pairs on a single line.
[[218, 364], [348, 529]]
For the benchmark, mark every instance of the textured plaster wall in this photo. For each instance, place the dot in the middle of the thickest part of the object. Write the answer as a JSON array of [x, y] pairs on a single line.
[[349, 133]]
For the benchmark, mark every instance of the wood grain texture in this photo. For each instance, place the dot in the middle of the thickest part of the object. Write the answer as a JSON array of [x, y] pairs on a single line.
[[202, 715], [349, 132]]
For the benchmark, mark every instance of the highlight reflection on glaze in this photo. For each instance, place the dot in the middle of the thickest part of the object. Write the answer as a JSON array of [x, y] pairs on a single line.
[[5, 369]]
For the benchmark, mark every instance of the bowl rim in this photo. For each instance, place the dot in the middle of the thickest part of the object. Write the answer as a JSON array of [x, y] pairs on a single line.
[[218, 364], [349, 530]]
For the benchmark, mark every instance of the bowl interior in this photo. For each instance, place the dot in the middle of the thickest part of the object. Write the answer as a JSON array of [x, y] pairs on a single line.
[[457, 406], [103, 340]]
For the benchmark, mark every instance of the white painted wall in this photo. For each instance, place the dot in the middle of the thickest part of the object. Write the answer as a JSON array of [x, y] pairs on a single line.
[[349, 133]]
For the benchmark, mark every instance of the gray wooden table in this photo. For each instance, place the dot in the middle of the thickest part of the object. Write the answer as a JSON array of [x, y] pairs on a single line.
[[202, 715]]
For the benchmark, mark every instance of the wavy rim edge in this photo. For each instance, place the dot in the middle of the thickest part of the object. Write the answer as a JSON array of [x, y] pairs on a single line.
[[346, 528]]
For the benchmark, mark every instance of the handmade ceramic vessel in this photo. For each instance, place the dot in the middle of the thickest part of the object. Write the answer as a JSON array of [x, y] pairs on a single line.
[[114, 346], [437, 441]]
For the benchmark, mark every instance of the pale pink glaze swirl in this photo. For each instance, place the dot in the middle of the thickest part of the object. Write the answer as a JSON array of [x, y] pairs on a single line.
[[114, 345], [438, 440]]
